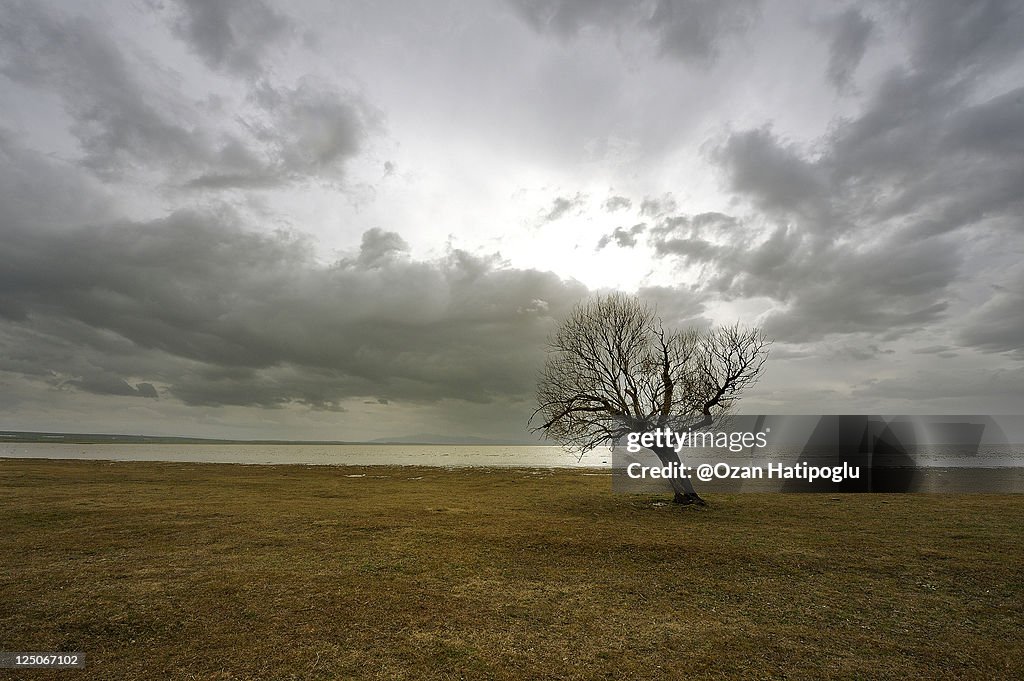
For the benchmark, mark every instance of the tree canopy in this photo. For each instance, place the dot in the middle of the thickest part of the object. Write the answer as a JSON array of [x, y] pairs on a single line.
[[613, 369]]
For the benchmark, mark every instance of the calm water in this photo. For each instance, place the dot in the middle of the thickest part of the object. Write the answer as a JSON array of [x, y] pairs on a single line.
[[993, 456], [356, 455], [923, 456], [944, 469]]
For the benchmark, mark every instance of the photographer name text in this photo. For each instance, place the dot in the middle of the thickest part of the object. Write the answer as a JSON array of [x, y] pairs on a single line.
[[723, 471]]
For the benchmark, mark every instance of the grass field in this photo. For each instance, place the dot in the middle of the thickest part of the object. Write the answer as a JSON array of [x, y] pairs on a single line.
[[206, 571]]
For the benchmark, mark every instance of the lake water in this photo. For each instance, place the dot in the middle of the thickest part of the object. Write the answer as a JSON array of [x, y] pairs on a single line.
[[941, 469], [331, 455], [498, 456]]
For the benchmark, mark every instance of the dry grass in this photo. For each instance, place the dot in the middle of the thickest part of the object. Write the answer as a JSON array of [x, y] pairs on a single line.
[[189, 571]]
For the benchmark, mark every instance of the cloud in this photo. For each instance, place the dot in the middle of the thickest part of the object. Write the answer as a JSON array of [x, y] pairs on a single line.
[[677, 308], [207, 312], [890, 288], [943, 351], [231, 34], [655, 206], [997, 325], [689, 30], [857, 352], [693, 30], [129, 116], [868, 202], [299, 133], [566, 18], [310, 130], [863, 229], [104, 384], [562, 205], [624, 238], [772, 172], [850, 32], [35, 188], [615, 203], [115, 119], [379, 247], [952, 388], [220, 315], [955, 39]]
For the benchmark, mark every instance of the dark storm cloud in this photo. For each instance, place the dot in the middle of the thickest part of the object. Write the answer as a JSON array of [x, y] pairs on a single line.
[[105, 385], [231, 34], [948, 38], [871, 157], [255, 178], [730, 265], [269, 388], [566, 17], [871, 218], [687, 237], [298, 133], [690, 30], [231, 317], [891, 289], [123, 119], [219, 315], [857, 352], [34, 188], [923, 151], [774, 174], [115, 120], [311, 128], [850, 32], [690, 249], [66, 354], [939, 350], [1001, 386], [998, 324]]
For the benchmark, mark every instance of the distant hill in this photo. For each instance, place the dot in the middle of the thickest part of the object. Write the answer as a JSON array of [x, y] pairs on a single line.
[[434, 439], [107, 438], [117, 438]]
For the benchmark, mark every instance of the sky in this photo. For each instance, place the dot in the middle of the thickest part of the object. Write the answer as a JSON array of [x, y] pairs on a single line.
[[357, 220]]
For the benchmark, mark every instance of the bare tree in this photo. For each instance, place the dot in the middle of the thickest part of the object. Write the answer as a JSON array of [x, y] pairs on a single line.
[[612, 369]]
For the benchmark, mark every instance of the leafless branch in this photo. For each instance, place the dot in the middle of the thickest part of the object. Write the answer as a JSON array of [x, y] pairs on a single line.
[[613, 369]]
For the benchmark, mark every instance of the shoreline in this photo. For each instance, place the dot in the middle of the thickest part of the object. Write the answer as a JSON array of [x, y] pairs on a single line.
[[511, 456], [7, 457], [927, 480]]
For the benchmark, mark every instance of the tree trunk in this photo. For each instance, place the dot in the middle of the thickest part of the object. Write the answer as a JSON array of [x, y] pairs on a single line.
[[683, 488]]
